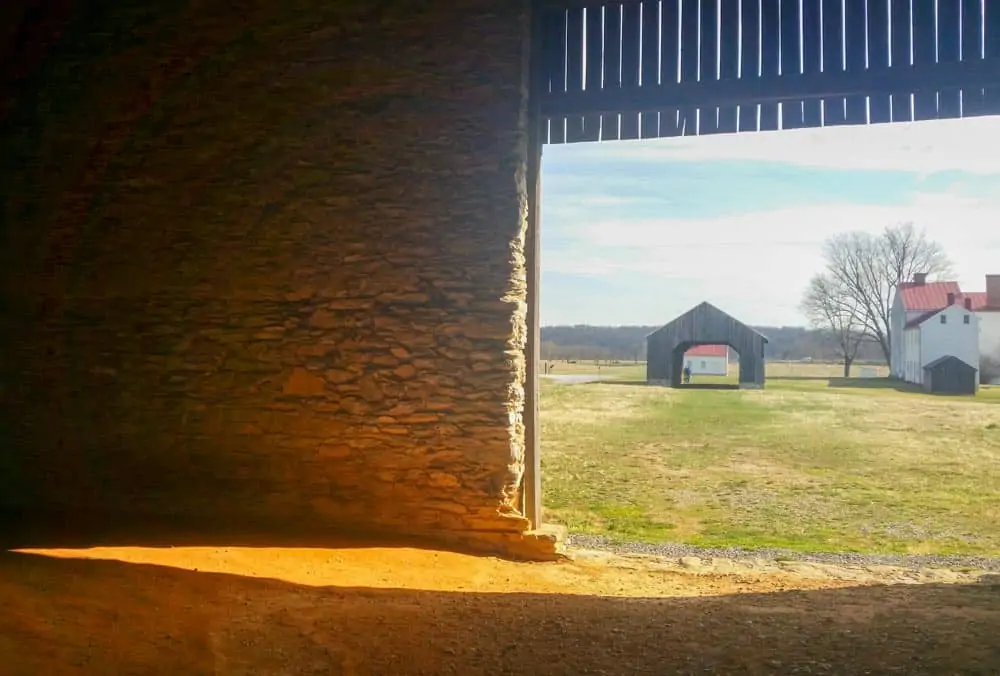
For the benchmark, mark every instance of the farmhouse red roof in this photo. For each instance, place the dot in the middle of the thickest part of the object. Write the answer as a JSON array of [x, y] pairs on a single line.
[[708, 351], [979, 303], [920, 319], [960, 299], [927, 297]]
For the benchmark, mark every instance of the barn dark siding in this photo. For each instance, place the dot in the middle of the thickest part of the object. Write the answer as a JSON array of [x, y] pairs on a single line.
[[705, 324]]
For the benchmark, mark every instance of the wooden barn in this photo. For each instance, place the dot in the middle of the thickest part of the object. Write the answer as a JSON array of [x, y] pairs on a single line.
[[950, 375], [704, 324]]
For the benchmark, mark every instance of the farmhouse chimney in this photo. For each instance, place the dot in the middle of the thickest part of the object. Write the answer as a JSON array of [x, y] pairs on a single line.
[[968, 304], [993, 291], [951, 299], [919, 278]]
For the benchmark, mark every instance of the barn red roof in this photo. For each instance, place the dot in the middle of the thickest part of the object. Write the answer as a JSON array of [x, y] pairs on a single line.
[[927, 297], [708, 351]]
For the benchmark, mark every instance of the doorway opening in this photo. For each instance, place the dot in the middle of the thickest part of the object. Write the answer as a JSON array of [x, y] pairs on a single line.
[[646, 72]]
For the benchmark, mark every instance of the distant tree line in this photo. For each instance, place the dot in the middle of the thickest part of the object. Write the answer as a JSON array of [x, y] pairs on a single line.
[[628, 343]]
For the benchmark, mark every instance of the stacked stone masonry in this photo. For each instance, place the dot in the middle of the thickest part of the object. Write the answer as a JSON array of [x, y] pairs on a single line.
[[265, 261]]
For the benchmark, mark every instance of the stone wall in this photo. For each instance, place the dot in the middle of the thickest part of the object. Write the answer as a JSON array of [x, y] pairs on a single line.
[[265, 265]]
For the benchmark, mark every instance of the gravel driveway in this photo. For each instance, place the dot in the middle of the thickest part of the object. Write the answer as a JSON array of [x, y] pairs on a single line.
[[674, 550]]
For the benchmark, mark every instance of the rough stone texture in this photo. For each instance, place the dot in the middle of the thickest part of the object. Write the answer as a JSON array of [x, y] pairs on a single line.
[[265, 261]]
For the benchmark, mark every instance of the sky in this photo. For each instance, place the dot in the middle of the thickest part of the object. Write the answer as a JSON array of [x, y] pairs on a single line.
[[637, 232]]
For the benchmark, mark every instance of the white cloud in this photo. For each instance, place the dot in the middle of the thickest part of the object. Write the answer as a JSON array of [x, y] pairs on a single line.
[[605, 201], [755, 264], [758, 263], [971, 145]]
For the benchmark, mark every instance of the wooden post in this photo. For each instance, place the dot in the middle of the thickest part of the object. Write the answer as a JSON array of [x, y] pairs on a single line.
[[532, 493], [532, 426]]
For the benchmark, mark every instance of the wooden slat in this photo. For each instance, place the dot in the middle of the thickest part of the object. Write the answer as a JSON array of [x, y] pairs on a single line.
[[924, 47], [729, 45], [669, 60], [972, 25], [812, 115], [925, 106], [879, 107], [689, 61], [855, 25], [594, 26], [770, 25], [983, 73], [708, 116], [574, 70], [833, 54], [650, 67], [554, 55], [612, 64], [991, 26], [631, 16], [750, 55], [902, 105], [791, 112], [949, 21]]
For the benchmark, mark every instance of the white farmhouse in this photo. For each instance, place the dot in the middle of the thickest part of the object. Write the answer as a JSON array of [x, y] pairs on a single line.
[[931, 320], [987, 306], [708, 360]]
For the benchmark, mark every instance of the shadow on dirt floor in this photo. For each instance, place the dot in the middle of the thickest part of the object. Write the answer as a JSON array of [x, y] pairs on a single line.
[[102, 617]]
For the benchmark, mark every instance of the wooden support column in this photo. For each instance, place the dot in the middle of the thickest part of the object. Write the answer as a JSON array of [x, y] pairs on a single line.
[[532, 424], [532, 492]]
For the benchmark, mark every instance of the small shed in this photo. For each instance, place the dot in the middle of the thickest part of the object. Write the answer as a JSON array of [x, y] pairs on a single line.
[[950, 375], [703, 324]]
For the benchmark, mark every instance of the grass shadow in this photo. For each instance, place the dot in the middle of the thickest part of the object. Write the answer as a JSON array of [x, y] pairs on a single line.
[[888, 384], [103, 616], [692, 386], [633, 383], [875, 384], [799, 378]]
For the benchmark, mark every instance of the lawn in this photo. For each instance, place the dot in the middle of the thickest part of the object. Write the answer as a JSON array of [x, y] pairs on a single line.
[[811, 463]]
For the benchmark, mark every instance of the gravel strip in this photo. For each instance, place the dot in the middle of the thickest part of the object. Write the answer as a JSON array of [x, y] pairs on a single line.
[[676, 550]]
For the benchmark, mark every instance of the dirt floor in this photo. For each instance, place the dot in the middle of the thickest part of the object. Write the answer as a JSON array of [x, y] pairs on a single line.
[[405, 611]]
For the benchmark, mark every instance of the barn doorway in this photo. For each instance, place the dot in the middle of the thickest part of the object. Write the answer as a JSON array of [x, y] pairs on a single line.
[[706, 365], [634, 70]]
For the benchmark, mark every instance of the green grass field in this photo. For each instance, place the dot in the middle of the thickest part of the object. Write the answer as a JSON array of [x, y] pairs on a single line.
[[811, 463]]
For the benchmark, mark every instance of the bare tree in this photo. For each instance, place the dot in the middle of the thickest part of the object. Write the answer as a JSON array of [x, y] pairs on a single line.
[[831, 308], [868, 268]]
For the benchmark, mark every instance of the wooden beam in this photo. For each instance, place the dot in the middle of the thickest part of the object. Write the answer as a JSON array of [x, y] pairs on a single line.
[[532, 352], [531, 482], [895, 80]]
